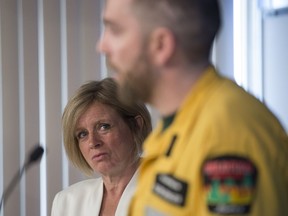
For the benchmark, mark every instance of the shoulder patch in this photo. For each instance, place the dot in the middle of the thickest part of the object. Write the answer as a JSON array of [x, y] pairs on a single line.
[[230, 183]]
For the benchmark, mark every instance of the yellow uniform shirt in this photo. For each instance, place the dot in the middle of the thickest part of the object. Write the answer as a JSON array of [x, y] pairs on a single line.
[[224, 154]]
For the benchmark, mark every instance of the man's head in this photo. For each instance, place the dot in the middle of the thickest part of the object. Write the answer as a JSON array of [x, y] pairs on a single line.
[[145, 38], [193, 23]]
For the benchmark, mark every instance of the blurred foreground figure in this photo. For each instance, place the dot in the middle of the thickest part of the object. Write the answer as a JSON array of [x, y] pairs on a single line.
[[217, 150]]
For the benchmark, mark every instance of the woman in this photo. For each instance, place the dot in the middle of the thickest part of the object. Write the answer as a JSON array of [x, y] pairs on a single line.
[[104, 136]]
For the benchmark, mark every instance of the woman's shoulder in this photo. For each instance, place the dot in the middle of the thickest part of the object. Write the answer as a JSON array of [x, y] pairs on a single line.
[[79, 198], [83, 187]]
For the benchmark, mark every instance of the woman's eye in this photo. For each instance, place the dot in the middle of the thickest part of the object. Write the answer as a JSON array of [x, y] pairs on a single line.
[[81, 135], [104, 127]]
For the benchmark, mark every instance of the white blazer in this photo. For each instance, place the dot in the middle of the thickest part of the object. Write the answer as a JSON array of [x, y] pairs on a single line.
[[84, 198]]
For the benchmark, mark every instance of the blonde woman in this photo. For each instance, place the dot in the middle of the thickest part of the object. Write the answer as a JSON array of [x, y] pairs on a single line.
[[104, 136]]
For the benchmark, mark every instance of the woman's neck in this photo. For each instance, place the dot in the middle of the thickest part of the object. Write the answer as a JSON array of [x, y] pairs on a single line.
[[118, 181], [114, 187]]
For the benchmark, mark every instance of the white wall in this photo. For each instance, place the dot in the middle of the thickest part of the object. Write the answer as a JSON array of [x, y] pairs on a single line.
[[275, 64], [224, 43], [47, 50], [265, 73]]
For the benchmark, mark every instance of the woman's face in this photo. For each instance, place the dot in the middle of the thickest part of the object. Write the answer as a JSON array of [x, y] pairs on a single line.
[[105, 140]]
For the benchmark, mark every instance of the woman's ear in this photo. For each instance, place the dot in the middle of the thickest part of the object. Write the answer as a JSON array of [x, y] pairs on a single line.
[[139, 121]]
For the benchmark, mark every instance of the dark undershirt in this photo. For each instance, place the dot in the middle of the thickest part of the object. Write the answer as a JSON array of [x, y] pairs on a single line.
[[167, 121]]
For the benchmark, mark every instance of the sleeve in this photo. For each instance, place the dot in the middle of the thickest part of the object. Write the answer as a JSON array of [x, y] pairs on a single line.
[[243, 164]]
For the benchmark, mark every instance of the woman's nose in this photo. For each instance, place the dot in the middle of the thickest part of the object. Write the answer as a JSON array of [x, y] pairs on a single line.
[[94, 141], [94, 145]]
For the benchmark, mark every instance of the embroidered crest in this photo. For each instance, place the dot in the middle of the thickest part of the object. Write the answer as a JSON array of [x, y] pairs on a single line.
[[230, 183]]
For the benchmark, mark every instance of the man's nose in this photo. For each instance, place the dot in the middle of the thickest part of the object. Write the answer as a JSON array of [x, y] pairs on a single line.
[[101, 46]]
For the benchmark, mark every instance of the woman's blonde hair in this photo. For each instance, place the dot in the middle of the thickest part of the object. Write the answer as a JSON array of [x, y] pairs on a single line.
[[105, 92]]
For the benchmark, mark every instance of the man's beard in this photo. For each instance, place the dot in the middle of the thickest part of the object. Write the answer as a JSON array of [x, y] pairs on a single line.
[[137, 83]]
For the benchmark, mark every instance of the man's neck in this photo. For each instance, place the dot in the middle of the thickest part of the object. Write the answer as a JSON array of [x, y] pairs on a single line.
[[174, 88]]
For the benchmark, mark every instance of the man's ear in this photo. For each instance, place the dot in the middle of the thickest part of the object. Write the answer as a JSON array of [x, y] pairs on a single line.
[[162, 46], [139, 121]]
